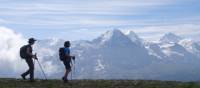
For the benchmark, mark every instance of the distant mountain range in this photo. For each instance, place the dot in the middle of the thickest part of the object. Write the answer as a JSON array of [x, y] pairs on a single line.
[[115, 55]]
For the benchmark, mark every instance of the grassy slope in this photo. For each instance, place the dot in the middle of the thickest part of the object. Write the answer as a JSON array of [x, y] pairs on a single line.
[[14, 83]]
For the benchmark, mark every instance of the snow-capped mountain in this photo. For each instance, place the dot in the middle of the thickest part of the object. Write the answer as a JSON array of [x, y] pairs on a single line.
[[170, 37], [134, 37], [111, 53], [114, 55], [191, 46], [113, 37]]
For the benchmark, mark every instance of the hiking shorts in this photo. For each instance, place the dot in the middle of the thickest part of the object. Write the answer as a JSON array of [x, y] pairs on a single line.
[[67, 64]]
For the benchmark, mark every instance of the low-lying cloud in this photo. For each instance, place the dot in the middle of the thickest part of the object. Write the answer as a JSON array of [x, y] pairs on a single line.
[[10, 42], [12, 65]]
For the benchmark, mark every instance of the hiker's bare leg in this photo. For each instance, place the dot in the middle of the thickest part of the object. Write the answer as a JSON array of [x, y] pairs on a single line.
[[67, 73]]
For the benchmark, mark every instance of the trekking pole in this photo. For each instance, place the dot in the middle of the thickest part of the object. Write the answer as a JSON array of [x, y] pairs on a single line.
[[40, 66], [74, 67], [34, 62], [71, 70], [42, 69]]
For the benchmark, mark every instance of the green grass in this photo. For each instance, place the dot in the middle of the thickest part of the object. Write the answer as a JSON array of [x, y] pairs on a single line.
[[16, 83]]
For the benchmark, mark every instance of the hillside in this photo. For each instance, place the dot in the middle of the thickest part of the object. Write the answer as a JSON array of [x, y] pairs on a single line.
[[17, 83]]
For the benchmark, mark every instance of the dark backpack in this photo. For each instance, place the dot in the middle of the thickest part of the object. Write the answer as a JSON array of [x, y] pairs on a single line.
[[61, 54], [23, 53]]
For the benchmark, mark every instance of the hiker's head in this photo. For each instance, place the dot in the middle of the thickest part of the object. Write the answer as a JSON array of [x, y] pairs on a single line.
[[67, 44], [31, 41]]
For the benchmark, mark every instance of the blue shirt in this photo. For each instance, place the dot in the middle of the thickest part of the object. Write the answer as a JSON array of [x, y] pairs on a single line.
[[67, 51]]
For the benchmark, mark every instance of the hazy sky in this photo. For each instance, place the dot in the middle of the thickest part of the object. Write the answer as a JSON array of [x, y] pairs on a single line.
[[86, 19]]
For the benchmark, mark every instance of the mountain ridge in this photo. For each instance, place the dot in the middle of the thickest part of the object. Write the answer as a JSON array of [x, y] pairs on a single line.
[[115, 55]]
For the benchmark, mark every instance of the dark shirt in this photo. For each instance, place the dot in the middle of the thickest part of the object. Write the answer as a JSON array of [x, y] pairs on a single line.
[[30, 50]]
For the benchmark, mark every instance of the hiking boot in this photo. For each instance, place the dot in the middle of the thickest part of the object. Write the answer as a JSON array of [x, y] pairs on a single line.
[[23, 77], [32, 80], [65, 80]]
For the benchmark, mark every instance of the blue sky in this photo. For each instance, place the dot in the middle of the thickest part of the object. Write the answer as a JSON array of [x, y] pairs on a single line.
[[87, 19]]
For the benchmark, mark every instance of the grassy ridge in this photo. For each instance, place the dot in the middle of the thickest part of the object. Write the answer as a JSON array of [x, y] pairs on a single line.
[[16, 83]]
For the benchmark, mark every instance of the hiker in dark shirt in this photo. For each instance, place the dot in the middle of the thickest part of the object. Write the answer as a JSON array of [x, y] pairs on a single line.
[[28, 58]]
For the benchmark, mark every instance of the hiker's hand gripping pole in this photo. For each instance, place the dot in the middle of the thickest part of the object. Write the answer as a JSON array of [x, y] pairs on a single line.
[[35, 56]]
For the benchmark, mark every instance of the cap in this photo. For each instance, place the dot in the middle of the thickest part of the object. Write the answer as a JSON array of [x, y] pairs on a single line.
[[32, 40]]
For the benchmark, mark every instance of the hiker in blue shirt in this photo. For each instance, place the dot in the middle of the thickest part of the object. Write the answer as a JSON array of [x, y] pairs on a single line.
[[66, 58]]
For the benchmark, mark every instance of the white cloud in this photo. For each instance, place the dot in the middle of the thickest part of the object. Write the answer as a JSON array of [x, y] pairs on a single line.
[[84, 7], [89, 14], [10, 42], [75, 12], [11, 63]]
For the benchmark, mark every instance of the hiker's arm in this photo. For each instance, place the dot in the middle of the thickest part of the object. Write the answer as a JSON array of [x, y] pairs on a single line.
[[71, 63]]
